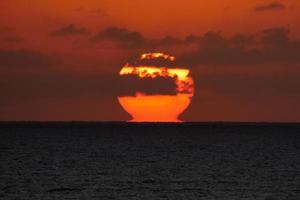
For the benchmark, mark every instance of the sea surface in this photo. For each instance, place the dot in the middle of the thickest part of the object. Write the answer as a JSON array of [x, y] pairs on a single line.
[[149, 161]]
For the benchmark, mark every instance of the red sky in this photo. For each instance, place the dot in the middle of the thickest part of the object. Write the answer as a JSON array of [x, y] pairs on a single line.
[[59, 60]]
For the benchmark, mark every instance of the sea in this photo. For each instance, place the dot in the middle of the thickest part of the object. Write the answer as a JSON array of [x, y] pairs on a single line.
[[157, 161]]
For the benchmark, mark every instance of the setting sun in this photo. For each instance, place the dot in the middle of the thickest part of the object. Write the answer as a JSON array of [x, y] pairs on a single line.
[[158, 107]]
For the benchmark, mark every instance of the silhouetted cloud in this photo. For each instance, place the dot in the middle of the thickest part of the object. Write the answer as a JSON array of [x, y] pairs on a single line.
[[273, 6], [124, 37], [276, 36], [70, 30], [133, 39], [242, 41], [130, 84], [25, 58], [270, 46]]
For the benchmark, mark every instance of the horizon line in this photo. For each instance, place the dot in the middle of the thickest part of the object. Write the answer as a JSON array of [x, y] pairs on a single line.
[[129, 122]]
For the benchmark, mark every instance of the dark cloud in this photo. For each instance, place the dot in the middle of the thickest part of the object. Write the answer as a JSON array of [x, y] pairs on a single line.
[[25, 58], [70, 30], [122, 36], [130, 84], [168, 41], [273, 6], [270, 46], [242, 41], [132, 39], [276, 36]]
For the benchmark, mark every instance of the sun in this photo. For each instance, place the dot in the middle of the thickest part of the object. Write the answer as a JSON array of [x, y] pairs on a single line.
[[145, 107]]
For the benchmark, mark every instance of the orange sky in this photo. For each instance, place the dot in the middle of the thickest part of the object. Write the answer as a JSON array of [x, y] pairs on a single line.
[[44, 67], [154, 17]]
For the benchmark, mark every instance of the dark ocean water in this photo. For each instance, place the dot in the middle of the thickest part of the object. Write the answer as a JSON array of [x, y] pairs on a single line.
[[149, 161]]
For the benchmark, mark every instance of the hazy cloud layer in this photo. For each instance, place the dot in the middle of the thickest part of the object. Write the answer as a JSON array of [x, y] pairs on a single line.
[[57, 85], [25, 58], [246, 98], [49, 90]]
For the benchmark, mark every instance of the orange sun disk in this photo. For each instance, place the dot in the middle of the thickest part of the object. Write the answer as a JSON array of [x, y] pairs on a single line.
[[158, 108]]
